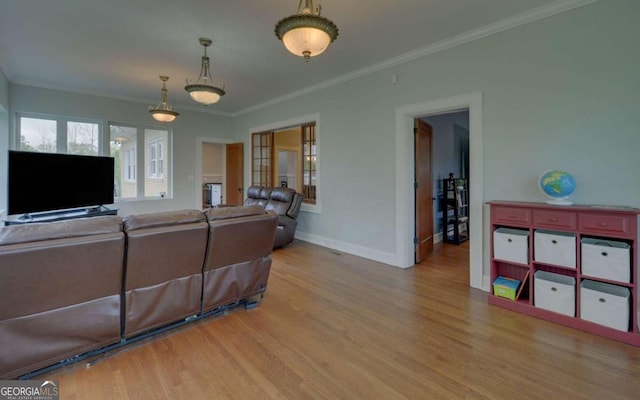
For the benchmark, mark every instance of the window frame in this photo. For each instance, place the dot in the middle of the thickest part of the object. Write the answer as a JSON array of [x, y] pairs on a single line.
[[155, 170], [297, 122], [129, 160], [61, 131], [264, 158], [141, 165], [307, 187]]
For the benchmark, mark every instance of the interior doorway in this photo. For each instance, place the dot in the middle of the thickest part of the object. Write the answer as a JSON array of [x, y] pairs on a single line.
[[218, 162], [450, 174], [405, 193], [212, 169]]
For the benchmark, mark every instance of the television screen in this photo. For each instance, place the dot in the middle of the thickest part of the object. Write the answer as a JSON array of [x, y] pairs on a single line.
[[47, 181]]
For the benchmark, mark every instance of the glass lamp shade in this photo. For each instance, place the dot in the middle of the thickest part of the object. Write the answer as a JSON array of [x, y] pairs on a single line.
[[204, 94], [163, 115], [307, 34], [306, 40]]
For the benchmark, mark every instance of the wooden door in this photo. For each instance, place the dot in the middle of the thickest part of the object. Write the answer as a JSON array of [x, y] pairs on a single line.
[[423, 190], [235, 172]]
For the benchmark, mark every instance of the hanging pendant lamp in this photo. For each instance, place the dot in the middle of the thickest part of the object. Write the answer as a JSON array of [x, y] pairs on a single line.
[[204, 90], [163, 112], [306, 33]]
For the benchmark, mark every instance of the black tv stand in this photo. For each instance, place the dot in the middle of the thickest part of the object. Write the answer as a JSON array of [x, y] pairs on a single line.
[[51, 216]]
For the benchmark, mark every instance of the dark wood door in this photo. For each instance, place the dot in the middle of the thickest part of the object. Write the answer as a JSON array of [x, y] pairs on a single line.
[[235, 171], [423, 190]]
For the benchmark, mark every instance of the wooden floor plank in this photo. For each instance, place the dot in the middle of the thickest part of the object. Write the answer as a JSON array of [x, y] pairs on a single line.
[[336, 326]]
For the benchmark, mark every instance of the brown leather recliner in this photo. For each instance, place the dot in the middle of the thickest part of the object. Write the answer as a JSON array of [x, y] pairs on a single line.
[[163, 278], [232, 270], [60, 285], [258, 195], [285, 202]]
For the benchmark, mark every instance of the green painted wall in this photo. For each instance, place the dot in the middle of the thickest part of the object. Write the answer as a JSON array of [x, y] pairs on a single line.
[[563, 92]]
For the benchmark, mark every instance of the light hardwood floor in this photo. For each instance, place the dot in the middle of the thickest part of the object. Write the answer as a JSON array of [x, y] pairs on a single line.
[[335, 326]]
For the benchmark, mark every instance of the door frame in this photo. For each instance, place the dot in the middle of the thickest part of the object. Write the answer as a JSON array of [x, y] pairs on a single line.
[[405, 201], [200, 140]]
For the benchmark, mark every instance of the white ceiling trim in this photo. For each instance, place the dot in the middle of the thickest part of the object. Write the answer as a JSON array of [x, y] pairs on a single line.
[[476, 34]]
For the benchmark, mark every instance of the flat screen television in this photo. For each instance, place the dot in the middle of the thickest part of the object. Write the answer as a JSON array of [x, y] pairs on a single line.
[[46, 181]]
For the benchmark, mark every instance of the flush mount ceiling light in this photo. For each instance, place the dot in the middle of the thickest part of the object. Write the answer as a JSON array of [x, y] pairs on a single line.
[[306, 33], [163, 112], [204, 90]]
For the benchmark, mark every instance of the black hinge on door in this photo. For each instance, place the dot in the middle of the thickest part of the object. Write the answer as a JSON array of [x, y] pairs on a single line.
[[415, 131], [415, 185], [415, 240]]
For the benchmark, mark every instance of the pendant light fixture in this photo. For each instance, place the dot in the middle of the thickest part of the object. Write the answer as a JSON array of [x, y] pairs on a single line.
[[306, 33], [163, 112], [204, 90]]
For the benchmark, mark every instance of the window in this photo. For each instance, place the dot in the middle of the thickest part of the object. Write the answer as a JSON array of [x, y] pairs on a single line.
[[37, 134], [309, 163], [261, 159], [123, 148], [154, 152], [83, 138], [156, 142], [288, 157], [129, 162], [58, 135], [130, 165]]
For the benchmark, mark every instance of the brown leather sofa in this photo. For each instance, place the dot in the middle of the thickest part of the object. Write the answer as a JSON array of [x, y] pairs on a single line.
[[60, 290], [285, 202], [163, 277], [76, 288], [232, 269]]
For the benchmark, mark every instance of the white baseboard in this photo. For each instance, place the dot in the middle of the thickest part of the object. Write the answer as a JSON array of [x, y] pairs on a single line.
[[360, 251]]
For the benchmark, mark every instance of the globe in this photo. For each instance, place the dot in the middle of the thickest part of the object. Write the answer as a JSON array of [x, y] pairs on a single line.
[[557, 185]]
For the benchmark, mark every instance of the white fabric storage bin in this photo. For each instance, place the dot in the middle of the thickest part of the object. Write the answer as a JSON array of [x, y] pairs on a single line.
[[555, 292], [607, 259], [556, 248], [605, 304], [511, 245]]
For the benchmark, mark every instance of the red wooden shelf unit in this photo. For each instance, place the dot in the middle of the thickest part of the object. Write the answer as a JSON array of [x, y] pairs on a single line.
[[586, 258]]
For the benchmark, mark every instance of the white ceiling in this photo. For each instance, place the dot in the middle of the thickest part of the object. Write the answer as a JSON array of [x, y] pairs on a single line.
[[117, 48]]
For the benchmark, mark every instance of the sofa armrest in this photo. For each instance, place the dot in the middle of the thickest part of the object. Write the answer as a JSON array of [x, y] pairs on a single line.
[[294, 208]]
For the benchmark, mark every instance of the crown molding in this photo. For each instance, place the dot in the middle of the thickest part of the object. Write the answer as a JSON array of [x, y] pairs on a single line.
[[506, 24]]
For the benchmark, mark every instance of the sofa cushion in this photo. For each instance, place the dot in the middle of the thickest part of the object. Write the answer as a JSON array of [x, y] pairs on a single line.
[[280, 200], [155, 220], [214, 214], [254, 192], [14, 234]]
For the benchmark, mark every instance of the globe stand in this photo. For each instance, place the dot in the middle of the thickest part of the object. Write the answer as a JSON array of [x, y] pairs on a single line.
[[560, 202]]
